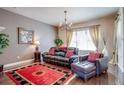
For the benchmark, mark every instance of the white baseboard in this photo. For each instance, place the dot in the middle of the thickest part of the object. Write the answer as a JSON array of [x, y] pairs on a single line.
[[17, 64]]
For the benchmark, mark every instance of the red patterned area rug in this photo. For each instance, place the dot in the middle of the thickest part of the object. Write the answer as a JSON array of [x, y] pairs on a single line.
[[40, 74]]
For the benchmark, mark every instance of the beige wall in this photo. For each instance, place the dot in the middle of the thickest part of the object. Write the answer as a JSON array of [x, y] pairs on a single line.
[[43, 32], [106, 25], [62, 35]]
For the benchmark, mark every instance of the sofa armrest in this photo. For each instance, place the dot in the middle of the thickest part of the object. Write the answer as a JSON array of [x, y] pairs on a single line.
[[73, 58], [101, 64], [83, 57], [45, 53]]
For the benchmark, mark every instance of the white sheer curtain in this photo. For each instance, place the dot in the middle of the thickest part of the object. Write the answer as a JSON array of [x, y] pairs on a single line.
[[117, 28], [82, 40], [69, 34], [99, 40], [104, 50], [94, 32]]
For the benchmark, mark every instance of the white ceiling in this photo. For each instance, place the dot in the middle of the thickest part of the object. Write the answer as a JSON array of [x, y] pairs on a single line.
[[55, 15]]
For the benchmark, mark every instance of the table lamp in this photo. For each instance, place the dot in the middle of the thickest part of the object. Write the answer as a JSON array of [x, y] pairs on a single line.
[[37, 43]]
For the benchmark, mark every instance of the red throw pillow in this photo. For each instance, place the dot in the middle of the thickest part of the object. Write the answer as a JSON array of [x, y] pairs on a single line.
[[93, 56], [51, 51], [62, 48], [69, 53]]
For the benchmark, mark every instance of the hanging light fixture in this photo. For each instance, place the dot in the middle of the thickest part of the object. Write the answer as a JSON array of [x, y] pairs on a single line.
[[66, 26], [65, 20]]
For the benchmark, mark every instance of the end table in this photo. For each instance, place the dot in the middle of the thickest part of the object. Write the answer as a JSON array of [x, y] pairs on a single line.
[[37, 56], [1, 69]]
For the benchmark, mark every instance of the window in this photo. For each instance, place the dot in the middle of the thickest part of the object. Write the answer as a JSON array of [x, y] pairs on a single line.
[[82, 40]]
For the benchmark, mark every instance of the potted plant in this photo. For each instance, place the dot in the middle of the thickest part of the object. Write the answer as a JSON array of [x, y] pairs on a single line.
[[58, 42], [4, 41]]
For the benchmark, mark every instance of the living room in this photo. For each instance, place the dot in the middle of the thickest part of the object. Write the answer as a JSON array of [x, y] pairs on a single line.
[[34, 42]]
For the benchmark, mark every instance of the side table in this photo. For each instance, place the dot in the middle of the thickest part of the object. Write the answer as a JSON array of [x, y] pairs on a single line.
[[37, 56], [1, 69]]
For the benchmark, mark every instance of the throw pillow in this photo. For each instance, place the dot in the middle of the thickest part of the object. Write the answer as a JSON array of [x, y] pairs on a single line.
[[51, 51], [60, 54], [62, 49], [69, 53], [93, 56], [74, 49], [56, 53]]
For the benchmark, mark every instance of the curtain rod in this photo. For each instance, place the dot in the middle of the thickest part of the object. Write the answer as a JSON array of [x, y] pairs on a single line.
[[85, 26]]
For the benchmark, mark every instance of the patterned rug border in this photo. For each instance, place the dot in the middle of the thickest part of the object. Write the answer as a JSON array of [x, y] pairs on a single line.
[[62, 81]]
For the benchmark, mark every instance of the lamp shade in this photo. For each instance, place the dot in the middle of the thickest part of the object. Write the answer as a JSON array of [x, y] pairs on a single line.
[[37, 43]]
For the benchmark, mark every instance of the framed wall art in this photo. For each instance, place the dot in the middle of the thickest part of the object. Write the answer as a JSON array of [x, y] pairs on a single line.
[[25, 36]]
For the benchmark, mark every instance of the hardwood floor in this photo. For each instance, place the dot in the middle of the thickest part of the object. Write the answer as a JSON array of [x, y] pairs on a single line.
[[113, 77], [5, 80], [103, 79]]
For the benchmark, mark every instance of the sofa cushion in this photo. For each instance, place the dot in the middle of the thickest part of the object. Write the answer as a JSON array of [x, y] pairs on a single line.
[[62, 49], [60, 54], [57, 53], [62, 59], [74, 49], [51, 51], [93, 56], [49, 56], [69, 53]]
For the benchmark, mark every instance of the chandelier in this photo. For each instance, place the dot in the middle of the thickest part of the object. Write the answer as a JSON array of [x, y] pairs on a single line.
[[66, 26]]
